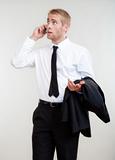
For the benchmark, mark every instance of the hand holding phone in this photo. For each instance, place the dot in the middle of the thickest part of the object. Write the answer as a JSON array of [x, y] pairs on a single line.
[[39, 32]]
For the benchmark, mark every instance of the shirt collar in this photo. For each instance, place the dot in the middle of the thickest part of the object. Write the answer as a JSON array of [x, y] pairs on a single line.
[[62, 44]]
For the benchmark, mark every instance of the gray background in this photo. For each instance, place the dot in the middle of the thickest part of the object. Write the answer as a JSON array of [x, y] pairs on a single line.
[[93, 26]]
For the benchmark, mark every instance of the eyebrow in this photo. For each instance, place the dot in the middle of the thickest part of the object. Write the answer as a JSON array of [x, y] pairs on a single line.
[[51, 19]]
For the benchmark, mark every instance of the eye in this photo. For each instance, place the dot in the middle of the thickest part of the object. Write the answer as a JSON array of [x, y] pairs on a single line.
[[48, 22], [54, 22]]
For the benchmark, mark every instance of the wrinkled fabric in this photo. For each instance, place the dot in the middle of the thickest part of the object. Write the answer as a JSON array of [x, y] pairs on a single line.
[[76, 106]]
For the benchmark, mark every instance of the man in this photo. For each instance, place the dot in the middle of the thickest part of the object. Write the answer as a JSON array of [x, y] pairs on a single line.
[[72, 62]]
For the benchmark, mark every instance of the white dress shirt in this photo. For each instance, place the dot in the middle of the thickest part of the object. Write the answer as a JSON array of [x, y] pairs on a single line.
[[73, 62]]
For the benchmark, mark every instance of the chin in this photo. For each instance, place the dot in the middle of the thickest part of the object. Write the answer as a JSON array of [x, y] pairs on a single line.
[[49, 37]]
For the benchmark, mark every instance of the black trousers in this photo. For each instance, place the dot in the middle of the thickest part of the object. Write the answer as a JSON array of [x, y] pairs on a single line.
[[49, 133]]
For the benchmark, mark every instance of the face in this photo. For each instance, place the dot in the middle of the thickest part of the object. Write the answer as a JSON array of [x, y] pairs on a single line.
[[56, 30]]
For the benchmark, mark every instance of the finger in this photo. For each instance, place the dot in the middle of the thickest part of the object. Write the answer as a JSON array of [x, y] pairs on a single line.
[[82, 82], [74, 87], [45, 26], [41, 29], [70, 86], [71, 83], [78, 86]]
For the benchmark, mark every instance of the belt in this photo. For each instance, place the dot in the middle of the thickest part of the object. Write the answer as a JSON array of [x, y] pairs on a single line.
[[51, 104]]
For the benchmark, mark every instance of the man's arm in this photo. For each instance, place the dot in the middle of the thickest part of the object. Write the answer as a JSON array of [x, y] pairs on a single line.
[[26, 56], [85, 64], [85, 69]]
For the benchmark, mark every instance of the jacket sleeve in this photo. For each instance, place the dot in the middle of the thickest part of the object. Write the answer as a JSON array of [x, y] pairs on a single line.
[[94, 99]]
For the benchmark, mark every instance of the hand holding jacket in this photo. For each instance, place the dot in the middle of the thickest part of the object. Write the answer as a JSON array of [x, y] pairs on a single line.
[[76, 106]]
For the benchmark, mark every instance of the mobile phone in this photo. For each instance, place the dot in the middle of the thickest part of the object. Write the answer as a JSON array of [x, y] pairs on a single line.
[[45, 30]]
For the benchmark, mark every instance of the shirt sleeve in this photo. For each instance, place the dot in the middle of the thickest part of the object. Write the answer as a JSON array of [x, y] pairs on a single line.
[[85, 64], [26, 56]]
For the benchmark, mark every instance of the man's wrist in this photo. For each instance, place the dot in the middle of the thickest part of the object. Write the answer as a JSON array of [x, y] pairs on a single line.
[[34, 38]]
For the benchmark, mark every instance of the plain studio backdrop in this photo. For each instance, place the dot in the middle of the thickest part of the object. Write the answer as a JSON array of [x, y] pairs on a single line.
[[93, 26]]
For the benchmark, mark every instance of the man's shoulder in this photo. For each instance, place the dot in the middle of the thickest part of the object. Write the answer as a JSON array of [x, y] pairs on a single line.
[[77, 46]]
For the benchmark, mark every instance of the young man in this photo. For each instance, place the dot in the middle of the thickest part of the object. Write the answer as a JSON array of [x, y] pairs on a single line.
[[55, 72]]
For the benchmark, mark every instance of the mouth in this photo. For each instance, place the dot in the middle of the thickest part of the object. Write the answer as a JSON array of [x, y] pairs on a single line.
[[49, 32]]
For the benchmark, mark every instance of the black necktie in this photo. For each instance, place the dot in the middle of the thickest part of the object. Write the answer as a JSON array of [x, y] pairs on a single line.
[[53, 90]]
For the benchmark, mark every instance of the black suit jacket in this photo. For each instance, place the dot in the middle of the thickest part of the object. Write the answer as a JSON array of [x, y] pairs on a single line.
[[76, 106]]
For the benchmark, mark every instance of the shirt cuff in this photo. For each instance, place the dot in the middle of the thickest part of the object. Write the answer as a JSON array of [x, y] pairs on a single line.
[[29, 42]]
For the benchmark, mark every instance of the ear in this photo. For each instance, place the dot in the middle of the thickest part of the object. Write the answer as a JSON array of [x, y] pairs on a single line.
[[66, 27]]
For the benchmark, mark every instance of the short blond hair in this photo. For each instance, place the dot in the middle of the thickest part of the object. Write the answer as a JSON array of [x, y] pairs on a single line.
[[66, 18]]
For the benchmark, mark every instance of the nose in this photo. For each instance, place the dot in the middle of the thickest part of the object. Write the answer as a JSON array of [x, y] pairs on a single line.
[[49, 25]]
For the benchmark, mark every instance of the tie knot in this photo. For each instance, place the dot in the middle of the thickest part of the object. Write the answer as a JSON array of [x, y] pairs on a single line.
[[55, 48]]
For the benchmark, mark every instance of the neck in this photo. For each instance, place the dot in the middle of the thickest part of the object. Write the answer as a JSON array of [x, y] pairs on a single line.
[[59, 40]]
